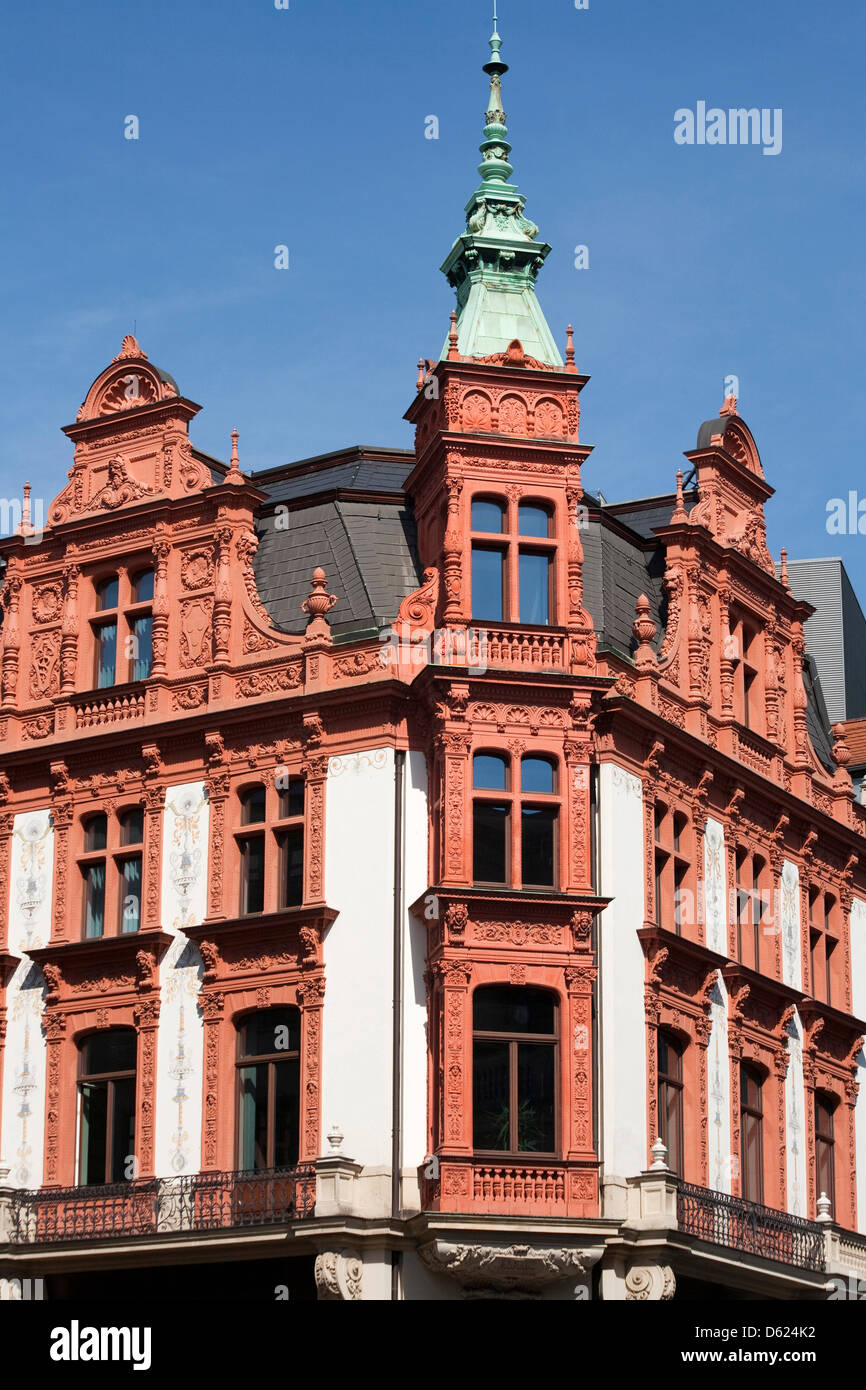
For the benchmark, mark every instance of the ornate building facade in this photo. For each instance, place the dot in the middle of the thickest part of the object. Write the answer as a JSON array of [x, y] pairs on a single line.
[[419, 878]]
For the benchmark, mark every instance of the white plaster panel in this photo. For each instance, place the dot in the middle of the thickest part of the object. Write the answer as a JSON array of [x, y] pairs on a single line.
[[181, 1035], [357, 1022], [789, 910], [858, 958], [795, 1120], [22, 1126], [622, 974], [719, 1090], [414, 965], [715, 897]]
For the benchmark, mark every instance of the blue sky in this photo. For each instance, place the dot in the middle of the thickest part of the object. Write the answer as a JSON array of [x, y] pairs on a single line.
[[260, 127]]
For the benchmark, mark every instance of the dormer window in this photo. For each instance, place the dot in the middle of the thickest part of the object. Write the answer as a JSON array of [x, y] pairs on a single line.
[[123, 628], [513, 553]]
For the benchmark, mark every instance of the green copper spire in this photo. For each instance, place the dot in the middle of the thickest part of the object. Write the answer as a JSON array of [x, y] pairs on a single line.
[[494, 264]]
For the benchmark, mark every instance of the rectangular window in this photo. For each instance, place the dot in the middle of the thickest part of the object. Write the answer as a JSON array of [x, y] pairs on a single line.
[[254, 1118], [534, 572], [94, 899], [106, 654], [751, 1135], [291, 845], [825, 1151], [538, 846], [141, 632], [252, 874], [490, 842], [488, 578], [491, 1129], [130, 894], [536, 1098]]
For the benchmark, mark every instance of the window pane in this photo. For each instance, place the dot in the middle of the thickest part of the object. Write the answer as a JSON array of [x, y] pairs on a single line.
[[489, 843], [487, 516], [123, 1129], [487, 576], [253, 874], [141, 631], [537, 845], [142, 587], [94, 900], [533, 521], [273, 1031], [292, 799], [291, 843], [130, 894], [506, 1009], [490, 1105], [670, 1058], [287, 1108], [671, 1123], [94, 1129], [536, 775], [254, 1117], [752, 1163], [106, 645], [106, 594], [95, 834], [109, 1053], [131, 827], [489, 772], [534, 588], [536, 1106], [253, 806]]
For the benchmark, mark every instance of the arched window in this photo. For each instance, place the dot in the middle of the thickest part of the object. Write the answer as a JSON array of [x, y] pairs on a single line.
[[122, 627], [670, 1098], [515, 820], [514, 1087], [513, 554], [270, 841], [825, 1148], [751, 1133], [269, 1081], [111, 869], [106, 1092]]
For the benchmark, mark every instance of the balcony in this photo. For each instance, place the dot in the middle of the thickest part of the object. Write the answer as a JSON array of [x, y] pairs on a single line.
[[198, 1203], [755, 1230]]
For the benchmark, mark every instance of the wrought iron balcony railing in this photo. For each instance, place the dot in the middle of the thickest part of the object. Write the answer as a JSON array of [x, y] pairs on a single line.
[[162, 1206], [756, 1230]]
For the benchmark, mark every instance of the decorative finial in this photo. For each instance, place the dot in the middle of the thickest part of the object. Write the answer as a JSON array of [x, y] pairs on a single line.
[[840, 752], [783, 572], [26, 526], [419, 385], [319, 601], [234, 474], [453, 339], [824, 1208], [335, 1139], [644, 631], [729, 406], [680, 513], [569, 350], [660, 1157]]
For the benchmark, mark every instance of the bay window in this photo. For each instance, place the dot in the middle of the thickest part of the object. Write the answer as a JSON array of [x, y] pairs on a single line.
[[513, 556], [514, 1089], [515, 820]]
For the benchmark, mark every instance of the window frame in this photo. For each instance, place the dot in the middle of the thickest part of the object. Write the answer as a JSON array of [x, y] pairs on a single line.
[[123, 616], [516, 801], [112, 857], [752, 1121], [666, 1082], [109, 1080], [272, 831], [273, 1059], [512, 545], [515, 1040]]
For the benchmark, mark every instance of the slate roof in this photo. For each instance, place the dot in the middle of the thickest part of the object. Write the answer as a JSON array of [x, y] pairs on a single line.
[[317, 514], [347, 512]]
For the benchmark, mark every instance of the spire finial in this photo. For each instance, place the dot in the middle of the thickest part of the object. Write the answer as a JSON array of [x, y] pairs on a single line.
[[26, 525], [453, 339], [680, 513], [234, 474], [569, 350], [783, 573]]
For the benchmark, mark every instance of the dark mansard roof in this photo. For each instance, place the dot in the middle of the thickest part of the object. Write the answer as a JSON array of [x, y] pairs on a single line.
[[347, 512]]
